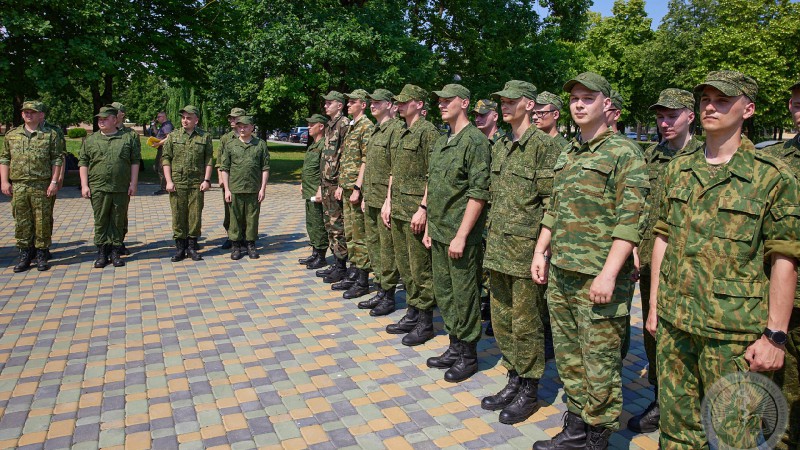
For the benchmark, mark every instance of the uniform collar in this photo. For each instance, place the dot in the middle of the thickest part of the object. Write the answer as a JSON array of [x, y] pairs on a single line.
[[457, 138], [741, 164], [194, 131], [335, 120], [594, 143]]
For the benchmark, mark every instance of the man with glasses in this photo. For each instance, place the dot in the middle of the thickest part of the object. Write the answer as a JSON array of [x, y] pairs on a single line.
[[546, 114]]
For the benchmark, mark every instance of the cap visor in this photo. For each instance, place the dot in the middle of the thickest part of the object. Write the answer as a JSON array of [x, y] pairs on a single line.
[[726, 88], [507, 94]]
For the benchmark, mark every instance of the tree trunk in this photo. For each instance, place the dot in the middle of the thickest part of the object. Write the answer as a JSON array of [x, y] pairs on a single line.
[[99, 99]]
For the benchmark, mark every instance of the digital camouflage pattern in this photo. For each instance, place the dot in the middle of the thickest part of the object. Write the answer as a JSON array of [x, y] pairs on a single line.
[[499, 134], [335, 131], [109, 160], [548, 98], [409, 165], [224, 141], [33, 215], [334, 219], [456, 287], [245, 162], [378, 159], [730, 83], [354, 152], [188, 154], [31, 159], [413, 261], [672, 98], [380, 247]]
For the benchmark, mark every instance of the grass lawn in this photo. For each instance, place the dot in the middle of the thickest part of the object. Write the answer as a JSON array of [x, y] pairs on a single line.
[[286, 163]]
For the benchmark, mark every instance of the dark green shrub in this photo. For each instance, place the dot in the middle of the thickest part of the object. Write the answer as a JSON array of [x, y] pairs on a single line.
[[76, 132]]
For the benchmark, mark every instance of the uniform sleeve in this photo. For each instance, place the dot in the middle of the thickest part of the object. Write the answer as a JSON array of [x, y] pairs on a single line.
[[781, 228], [167, 152], [83, 155], [136, 150], [56, 155], [478, 158], [264, 157], [365, 142], [225, 159], [208, 153], [428, 141], [5, 156], [632, 186]]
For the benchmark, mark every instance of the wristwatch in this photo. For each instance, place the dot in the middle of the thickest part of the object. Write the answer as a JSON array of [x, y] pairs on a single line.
[[777, 337], [207, 181], [356, 187]]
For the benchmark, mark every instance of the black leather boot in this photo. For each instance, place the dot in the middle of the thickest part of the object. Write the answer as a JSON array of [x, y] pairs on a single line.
[[308, 259], [385, 305], [647, 421], [372, 302], [191, 249], [41, 260], [116, 257], [180, 250], [571, 437], [339, 271], [124, 250], [446, 359], [524, 404], [466, 363], [423, 330], [326, 271], [349, 279], [252, 253], [24, 262], [597, 438], [318, 261], [236, 253], [505, 396], [227, 245], [102, 256], [406, 323], [360, 287]]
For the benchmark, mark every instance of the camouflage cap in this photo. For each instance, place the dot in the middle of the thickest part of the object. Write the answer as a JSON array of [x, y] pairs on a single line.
[[616, 99], [335, 96], [317, 118], [381, 95], [672, 98], [548, 98], [33, 105], [189, 109], [516, 89], [237, 112], [358, 94], [119, 107], [592, 81], [246, 120], [106, 111], [485, 105], [453, 90], [730, 83], [411, 92]]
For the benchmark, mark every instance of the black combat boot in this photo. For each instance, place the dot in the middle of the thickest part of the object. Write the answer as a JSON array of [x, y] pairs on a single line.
[[180, 250], [339, 271], [322, 273], [360, 287], [647, 421], [318, 261], [385, 305], [102, 256], [571, 437], [236, 253], [191, 249], [252, 253], [41, 260], [423, 330], [124, 250], [597, 437], [372, 302], [25, 257], [505, 396], [524, 404], [406, 323], [466, 363], [349, 279], [227, 245], [308, 259], [116, 258], [446, 359]]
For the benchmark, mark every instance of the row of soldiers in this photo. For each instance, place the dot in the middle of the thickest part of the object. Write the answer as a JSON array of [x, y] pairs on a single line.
[[710, 229]]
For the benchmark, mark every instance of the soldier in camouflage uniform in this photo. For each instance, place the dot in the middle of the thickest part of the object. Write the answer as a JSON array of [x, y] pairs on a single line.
[[594, 220], [63, 150], [245, 172], [674, 117], [351, 179], [121, 125], [405, 212], [724, 266], [546, 115], [315, 220], [613, 113], [30, 165], [223, 143], [109, 170], [187, 161], [458, 190], [521, 183], [375, 189], [335, 132]]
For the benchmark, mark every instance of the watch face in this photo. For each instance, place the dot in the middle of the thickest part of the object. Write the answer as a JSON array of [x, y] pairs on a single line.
[[779, 337]]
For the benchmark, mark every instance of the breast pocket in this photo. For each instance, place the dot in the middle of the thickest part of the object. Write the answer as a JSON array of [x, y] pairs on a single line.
[[544, 181], [594, 178], [678, 199], [737, 220]]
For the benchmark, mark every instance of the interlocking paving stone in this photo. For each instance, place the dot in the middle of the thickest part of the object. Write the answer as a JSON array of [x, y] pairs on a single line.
[[234, 354]]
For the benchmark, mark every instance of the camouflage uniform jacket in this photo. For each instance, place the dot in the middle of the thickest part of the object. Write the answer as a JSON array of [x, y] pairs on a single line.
[[459, 170], [657, 156], [378, 158], [245, 162], [599, 195], [223, 141], [722, 232], [335, 131], [62, 147], [109, 159], [499, 134], [355, 151], [310, 175], [410, 167], [521, 184], [31, 159], [188, 154], [136, 139], [560, 140]]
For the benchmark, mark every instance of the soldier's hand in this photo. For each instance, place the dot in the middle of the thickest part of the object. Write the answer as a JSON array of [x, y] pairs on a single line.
[[602, 289], [456, 249], [355, 197], [363, 206], [86, 192], [764, 355], [132, 190], [651, 324], [338, 193], [386, 214], [170, 186], [418, 221], [204, 186], [227, 196], [426, 241], [261, 195], [540, 267], [52, 190], [7, 189], [637, 265]]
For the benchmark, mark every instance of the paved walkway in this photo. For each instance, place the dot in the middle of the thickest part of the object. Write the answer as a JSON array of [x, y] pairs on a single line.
[[232, 354]]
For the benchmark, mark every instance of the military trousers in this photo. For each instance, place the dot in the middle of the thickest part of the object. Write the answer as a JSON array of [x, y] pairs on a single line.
[[315, 225], [226, 208], [516, 318], [245, 211], [33, 215], [354, 232], [187, 212], [414, 264], [456, 286], [380, 246], [649, 340], [788, 378], [334, 219], [587, 339], [110, 216]]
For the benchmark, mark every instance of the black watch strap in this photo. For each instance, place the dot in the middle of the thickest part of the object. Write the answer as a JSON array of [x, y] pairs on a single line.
[[356, 187], [777, 337]]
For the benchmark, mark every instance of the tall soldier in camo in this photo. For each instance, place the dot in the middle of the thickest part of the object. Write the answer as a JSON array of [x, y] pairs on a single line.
[[224, 141], [310, 188], [121, 125]]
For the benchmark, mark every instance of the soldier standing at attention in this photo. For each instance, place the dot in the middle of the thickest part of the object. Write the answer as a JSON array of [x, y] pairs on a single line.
[[674, 117], [521, 184], [164, 128], [351, 179], [546, 114], [223, 143], [458, 190], [594, 220], [486, 119], [335, 132], [375, 189], [315, 221], [188, 162], [30, 165], [109, 171], [121, 125], [404, 211], [245, 172], [724, 266]]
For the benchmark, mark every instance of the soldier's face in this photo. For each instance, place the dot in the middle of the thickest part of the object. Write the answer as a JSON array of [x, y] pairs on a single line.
[[245, 130], [794, 107], [452, 107], [587, 106], [486, 120], [409, 108], [107, 124], [720, 112], [674, 123], [332, 108], [189, 121], [232, 121], [379, 109], [515, 109], [32, 118], [315, 130], [545, 117], [356, 106]]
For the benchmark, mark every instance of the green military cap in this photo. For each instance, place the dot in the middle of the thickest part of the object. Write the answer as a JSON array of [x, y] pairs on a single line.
[[358, 94], [411, 92], [247, 120], [381, 95], [794, 86], [236, 112], [485, 105], [592, 81], [335, 96], [189, 109], [617, 100], [516, 89], [730, 83], [106, 111], [674, 99], [118, 106], [548, 98], [453, 90], [33, 105], [317, 118]]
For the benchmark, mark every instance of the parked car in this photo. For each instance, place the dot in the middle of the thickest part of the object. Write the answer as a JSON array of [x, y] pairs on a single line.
[[294, 135], [767, 144], [283, 136], [631, 135], [304, 137]]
